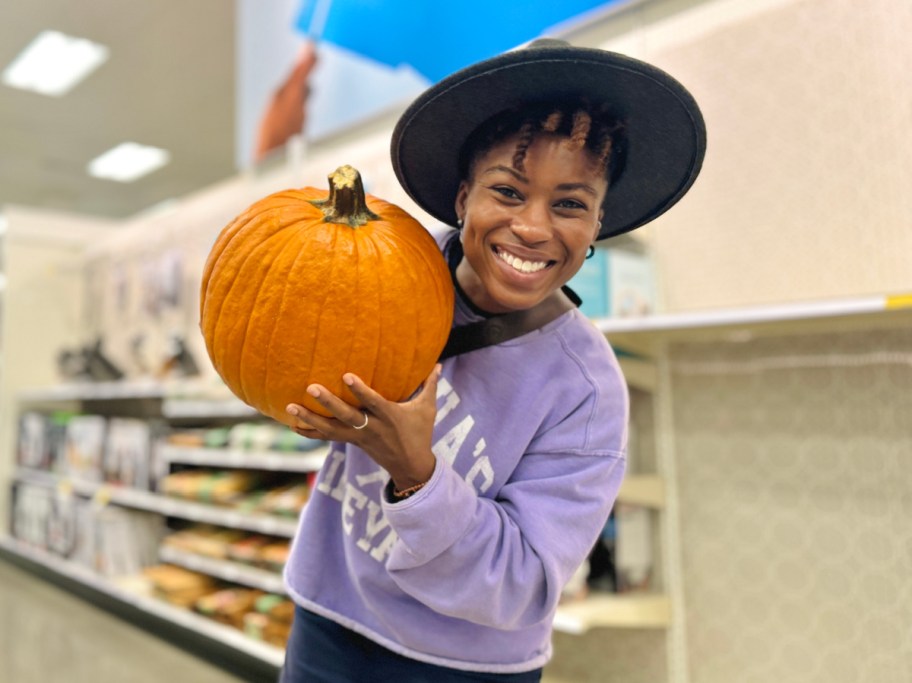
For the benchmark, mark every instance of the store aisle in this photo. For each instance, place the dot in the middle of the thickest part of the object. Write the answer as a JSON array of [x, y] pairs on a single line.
[[47, 635]]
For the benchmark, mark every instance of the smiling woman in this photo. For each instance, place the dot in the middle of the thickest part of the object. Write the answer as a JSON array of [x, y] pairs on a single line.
[[531, 203], [443, 529]]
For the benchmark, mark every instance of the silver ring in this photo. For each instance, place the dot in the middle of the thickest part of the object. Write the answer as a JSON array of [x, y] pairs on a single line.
[[366, 420]]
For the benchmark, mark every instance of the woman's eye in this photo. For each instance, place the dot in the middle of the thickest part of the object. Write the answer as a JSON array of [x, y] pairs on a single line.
[[570, 204], [508, 192]]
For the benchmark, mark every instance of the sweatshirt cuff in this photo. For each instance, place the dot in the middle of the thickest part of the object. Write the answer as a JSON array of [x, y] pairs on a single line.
[[425, 523]]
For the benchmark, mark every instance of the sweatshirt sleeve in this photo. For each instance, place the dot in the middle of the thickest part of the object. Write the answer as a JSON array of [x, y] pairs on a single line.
[[502, 562]]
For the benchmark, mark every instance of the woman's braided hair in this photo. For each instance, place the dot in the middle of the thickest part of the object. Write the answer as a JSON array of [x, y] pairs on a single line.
[[583, 125]]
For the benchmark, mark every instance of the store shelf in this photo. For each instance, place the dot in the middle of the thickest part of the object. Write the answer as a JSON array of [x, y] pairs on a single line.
[[180, 399], [184, 408], [309, 461], [234, 572], [201, 625], [613, 611], [643, 489], [94, 391], [740, 324], [145, 500]]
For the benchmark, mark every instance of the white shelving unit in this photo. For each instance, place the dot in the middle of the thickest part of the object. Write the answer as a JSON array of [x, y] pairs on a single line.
[[631, 610], [94, 391], [183, 403]]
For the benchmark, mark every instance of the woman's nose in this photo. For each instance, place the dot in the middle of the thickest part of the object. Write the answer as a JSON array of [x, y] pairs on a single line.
[[532, 224]]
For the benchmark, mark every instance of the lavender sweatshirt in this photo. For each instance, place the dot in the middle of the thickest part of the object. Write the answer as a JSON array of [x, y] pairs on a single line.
[[530, 440]]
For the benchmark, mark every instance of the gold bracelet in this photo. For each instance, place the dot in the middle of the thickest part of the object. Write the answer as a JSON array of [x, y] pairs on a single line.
[[405, 493]]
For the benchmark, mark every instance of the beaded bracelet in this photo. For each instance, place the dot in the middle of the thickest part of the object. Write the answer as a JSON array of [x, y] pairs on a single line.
[[411, 490]]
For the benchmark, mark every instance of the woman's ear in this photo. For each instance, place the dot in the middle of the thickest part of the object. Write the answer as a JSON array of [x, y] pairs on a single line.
[[461, 195], [598, 225]]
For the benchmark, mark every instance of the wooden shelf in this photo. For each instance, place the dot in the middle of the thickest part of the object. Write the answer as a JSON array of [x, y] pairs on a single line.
[[614, 611], [643, 489]]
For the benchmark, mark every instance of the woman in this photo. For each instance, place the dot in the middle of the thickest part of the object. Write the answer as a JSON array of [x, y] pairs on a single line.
[[442, 530]]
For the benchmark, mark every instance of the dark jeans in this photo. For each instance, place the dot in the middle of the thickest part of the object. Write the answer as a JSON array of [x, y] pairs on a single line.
[[322, 651]]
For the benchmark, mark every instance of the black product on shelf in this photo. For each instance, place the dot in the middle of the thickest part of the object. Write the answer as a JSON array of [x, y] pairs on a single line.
[[98, 366], [602, 569]]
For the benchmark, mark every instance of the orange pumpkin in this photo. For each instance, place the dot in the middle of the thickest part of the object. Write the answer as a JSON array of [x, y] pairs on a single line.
[[306, 285]]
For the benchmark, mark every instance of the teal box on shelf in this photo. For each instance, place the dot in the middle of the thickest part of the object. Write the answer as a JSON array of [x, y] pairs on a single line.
[[591, 284], [616, 283]]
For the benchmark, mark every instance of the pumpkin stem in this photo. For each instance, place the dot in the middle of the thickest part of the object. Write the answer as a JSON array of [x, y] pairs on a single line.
[[346, 202]]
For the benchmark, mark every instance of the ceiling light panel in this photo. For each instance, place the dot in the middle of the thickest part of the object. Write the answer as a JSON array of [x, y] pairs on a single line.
[[128, 161], [54, 63]]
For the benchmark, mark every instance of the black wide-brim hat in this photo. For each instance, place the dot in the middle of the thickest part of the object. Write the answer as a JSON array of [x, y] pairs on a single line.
[[665, 136]]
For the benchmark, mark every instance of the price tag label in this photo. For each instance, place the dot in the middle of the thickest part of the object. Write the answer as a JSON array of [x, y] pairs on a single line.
[[898, 301], [64, 489], [102, 497]]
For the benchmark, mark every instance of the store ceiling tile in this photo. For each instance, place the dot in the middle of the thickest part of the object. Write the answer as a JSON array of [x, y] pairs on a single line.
[[168, 82]]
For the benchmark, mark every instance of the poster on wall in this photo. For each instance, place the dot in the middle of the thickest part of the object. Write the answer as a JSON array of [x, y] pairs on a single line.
[[358, 59]]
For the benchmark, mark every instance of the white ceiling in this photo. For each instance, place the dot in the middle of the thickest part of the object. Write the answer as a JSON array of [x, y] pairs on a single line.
[[168, 82]]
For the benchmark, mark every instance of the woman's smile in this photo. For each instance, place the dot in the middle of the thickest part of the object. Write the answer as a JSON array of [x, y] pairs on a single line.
[[519, 264]]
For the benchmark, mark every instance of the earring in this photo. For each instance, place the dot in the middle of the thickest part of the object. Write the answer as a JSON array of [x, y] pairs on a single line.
[[459, 222], [599, 226], [591, 252]]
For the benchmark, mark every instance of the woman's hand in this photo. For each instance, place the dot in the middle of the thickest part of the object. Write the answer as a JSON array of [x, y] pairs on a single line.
[[396, 435]]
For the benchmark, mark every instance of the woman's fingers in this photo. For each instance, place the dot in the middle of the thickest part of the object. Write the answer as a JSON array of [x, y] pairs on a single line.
[[429, 388], [345, 416], [340, 410], [367, 397], [308, 422]]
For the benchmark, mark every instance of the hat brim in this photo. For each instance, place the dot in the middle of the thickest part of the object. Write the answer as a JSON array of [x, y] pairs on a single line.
[[665, 135]]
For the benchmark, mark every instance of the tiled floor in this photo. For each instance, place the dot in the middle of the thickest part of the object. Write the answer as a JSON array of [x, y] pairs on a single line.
[[49, 636]]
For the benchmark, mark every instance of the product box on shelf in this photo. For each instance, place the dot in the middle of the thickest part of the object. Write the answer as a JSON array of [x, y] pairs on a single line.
[[32, 510], [128, 453], [634, 554], [126, 541], [623, 557], [616, 283], [62, 536], [32, 449], [85, 442]]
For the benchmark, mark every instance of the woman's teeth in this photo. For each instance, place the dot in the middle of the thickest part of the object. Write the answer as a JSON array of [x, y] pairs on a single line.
[[519, 264]]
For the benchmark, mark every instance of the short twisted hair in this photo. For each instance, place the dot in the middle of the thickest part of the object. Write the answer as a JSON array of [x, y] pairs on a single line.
[[584, 126]]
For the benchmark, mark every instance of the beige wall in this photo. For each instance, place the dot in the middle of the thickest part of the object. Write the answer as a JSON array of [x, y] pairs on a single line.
[[805, 188]]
